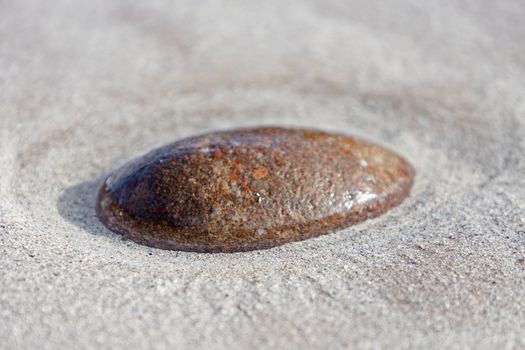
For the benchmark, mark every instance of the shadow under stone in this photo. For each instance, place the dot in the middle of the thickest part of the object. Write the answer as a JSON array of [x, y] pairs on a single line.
[[76, 204]]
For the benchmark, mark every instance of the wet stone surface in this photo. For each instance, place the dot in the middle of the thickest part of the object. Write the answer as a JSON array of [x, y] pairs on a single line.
[[251, 189]]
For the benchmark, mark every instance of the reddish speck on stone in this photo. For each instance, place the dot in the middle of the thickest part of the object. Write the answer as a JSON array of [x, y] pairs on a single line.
[[260, 172], [235, 174], [251, 189], [217, 154]]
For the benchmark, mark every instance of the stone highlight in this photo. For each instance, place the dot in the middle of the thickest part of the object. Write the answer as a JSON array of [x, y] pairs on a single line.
[[251, 189]]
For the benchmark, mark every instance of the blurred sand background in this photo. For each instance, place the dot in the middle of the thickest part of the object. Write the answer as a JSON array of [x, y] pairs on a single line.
[[87, 85]]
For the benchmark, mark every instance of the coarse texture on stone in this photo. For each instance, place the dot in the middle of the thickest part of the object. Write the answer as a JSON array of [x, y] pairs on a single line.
[[250, 189], [86, 85]]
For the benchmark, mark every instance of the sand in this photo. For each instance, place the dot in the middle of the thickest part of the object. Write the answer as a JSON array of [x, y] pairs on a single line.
[[88, 85]]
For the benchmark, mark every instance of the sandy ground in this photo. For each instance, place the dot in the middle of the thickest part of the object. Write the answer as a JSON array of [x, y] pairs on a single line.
[[87, 85]]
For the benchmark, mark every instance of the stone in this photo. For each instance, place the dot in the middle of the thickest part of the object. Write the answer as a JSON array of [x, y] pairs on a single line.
[[251, 189]]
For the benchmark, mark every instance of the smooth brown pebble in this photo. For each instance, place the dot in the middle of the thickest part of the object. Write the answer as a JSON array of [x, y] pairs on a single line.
[[251, 189]]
